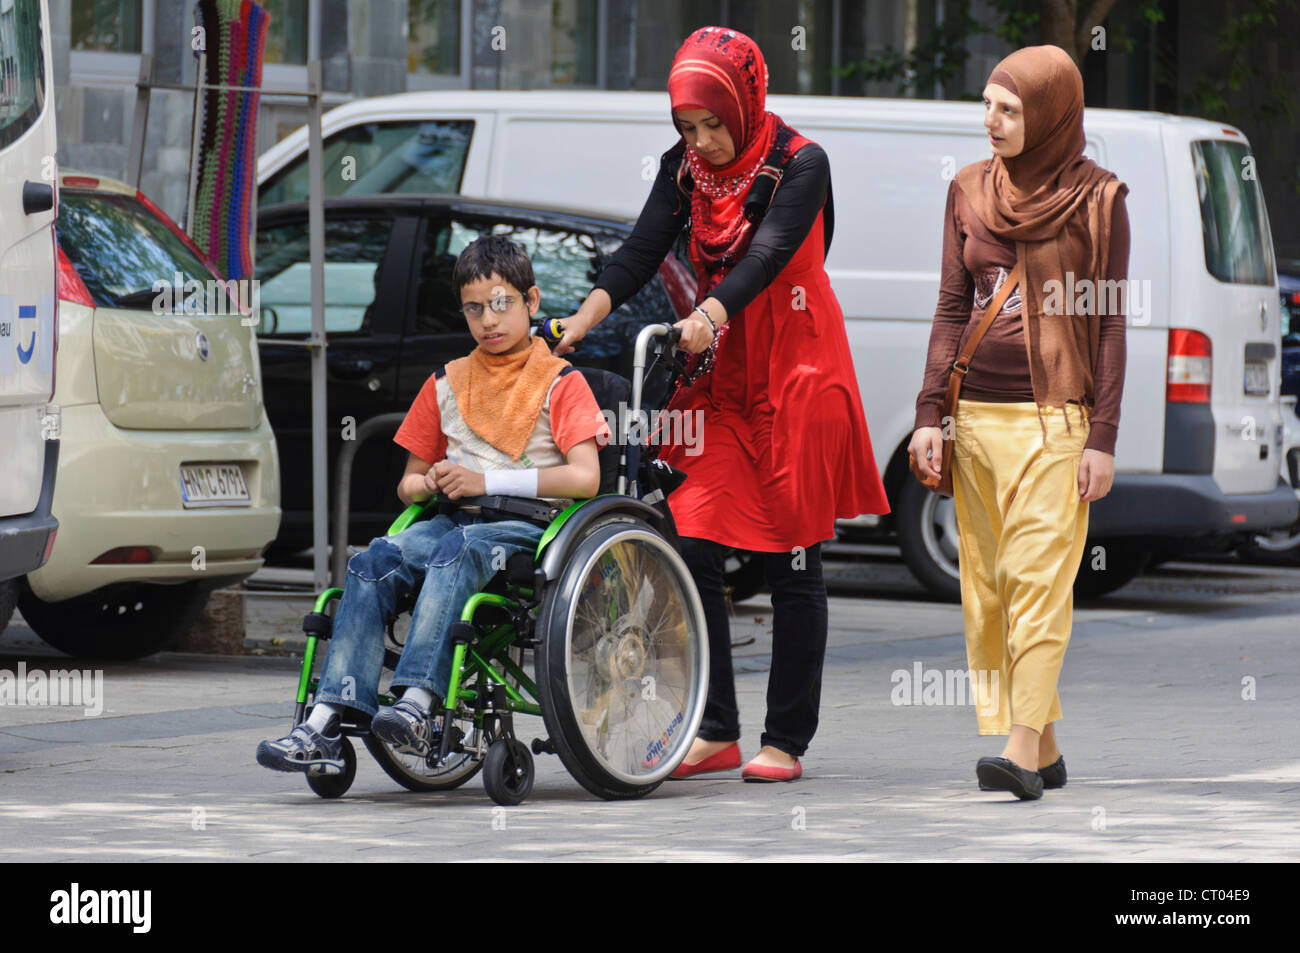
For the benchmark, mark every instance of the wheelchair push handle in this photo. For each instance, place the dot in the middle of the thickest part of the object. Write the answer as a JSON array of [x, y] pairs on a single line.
[[551, 330]]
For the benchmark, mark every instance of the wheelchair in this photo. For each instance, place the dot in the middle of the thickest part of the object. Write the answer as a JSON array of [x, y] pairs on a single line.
[[605, 607]]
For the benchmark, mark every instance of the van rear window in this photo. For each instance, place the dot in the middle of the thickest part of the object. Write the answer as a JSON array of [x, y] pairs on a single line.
[[376, 158], [1233, 222]]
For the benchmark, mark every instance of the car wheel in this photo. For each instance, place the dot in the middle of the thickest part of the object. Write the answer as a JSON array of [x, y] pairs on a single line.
[[117, 622], [8, 599], [927, 536], [1121, 566], [742, 574]]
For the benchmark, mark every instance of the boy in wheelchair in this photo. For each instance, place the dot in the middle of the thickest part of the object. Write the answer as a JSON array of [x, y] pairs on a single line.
[[511, 420]]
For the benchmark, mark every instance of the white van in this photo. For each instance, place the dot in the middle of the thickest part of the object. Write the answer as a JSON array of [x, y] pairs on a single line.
[[1200, 435], [28, 201]]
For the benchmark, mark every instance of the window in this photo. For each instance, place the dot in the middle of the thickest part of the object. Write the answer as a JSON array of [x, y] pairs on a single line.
[[354, 249], [375, 158], [565, 266], [22, 68], [433, 37], [286, 34], [1233, 222], [110, 26], [121, 250], [573, 42]]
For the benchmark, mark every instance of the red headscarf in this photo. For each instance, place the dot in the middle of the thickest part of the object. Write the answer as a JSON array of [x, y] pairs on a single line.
[[723, 71]]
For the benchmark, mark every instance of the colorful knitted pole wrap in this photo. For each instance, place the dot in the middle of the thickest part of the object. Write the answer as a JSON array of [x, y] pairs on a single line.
[[235, 38]]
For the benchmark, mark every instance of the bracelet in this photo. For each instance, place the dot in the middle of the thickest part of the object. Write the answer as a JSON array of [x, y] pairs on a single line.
[[707, 318], [512, 482]]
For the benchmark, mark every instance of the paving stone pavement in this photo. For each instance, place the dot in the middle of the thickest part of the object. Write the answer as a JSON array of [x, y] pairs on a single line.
[[1167, 760]]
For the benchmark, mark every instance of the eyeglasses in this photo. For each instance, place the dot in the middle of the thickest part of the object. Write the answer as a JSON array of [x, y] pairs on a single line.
[[500, 304]]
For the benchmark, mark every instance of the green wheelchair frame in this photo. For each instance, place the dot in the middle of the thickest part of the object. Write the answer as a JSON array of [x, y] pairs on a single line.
[[608, 609]]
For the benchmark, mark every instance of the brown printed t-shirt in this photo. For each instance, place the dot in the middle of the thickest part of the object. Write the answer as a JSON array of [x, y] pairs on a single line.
[[975, 264]]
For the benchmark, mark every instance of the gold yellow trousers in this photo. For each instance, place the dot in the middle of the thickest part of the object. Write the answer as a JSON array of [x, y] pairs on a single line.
[[1022, 531]]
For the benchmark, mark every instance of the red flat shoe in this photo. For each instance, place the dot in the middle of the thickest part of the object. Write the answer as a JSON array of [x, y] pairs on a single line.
[[728, 759], [767, 772]]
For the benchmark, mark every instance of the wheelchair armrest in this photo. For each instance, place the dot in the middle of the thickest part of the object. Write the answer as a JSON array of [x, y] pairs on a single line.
[[412, 514]]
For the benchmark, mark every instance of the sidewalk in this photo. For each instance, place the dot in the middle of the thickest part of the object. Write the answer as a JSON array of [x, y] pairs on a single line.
[[1167, 761]]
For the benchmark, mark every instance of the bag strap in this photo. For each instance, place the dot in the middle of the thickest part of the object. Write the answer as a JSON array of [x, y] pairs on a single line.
[[962, 364], [762, 190]]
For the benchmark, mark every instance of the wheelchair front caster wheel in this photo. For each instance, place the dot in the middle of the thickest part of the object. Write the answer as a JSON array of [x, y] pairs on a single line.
[[336, 785], [508, 771]]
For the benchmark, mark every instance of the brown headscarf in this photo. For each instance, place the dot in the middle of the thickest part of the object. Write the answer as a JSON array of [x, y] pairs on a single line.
[[1055, 204]]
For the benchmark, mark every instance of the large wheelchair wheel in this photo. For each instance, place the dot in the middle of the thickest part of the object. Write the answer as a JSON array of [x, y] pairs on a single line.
[[623, 668]]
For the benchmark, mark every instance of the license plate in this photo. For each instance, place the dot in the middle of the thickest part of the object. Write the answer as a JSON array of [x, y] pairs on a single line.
[[213, 484], [1256, 377]]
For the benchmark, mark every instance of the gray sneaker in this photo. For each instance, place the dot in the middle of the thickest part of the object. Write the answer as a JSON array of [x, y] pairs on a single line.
[[304, 749], [406, 728]]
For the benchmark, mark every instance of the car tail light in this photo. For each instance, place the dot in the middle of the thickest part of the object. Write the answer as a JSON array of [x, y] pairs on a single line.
[[1189, 367], [49, 546], [124, 554], [80, 182], [71, 288]]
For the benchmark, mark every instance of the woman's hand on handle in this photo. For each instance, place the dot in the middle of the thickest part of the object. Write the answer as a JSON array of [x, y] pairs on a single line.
[[926, 449], [697, 333], [594, 310]]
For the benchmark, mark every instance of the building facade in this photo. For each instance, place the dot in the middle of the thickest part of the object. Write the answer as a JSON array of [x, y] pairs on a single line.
[[377, 47]]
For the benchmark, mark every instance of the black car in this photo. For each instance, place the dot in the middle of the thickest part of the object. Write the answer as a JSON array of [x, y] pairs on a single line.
[[1288, 283], [391, 319]]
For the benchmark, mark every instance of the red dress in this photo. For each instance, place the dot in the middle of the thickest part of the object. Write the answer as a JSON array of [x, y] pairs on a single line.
[[782, 448]]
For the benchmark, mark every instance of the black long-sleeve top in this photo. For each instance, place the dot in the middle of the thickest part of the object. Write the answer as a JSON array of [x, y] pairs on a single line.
[[798, 198]]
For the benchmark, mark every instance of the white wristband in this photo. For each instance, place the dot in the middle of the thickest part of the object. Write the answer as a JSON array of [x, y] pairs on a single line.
[[521, 482]]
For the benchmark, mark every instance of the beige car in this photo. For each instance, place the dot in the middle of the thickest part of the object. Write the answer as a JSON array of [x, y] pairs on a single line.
[[168, 482]]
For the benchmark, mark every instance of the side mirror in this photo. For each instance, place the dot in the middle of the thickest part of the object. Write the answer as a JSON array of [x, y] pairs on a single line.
[[268, 321]]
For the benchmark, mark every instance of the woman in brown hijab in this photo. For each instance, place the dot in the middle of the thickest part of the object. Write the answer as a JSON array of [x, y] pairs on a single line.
[[1035, 427]]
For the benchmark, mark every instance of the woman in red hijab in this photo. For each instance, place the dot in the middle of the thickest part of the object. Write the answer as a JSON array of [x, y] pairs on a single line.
[[784, 449]]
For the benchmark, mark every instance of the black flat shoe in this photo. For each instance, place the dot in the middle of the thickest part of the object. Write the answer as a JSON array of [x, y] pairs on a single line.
[[1003, 774], [1054, 774]]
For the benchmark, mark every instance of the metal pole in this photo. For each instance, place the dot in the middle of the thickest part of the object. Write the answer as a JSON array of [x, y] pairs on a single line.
[[140, 120], [343, 486], [316, 242], [192, 198]]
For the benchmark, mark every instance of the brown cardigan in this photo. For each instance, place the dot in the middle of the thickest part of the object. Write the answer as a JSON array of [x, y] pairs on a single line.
[[999, 372]]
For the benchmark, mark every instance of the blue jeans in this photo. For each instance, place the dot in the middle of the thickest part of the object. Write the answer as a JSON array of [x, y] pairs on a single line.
[[448, 559]]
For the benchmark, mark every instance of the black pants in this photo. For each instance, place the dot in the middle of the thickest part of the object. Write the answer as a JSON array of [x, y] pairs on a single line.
[[794, 681]]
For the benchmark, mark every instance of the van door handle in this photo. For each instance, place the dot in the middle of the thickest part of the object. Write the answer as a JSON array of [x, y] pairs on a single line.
[[37, 197]]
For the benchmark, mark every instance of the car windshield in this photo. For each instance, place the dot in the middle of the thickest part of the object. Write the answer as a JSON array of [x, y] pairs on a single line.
[[126, 255]]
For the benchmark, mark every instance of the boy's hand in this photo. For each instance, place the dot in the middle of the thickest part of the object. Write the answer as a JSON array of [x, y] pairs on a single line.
[[456, 481]]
